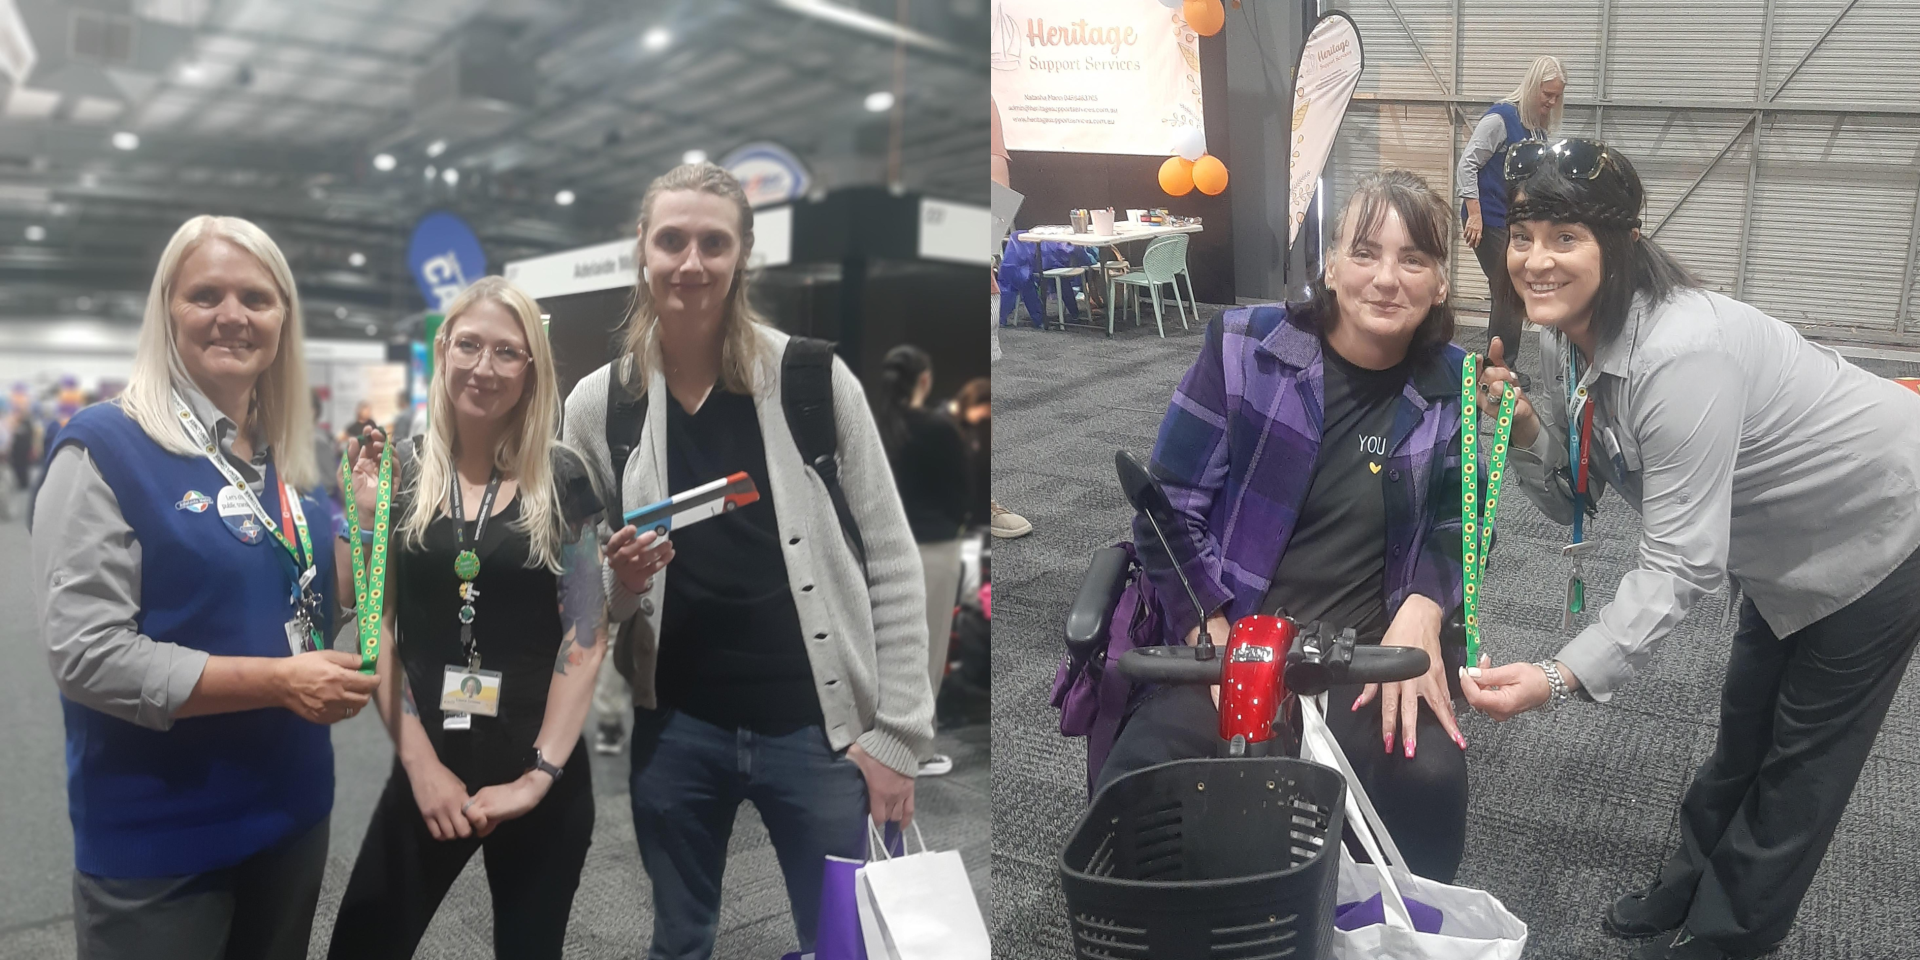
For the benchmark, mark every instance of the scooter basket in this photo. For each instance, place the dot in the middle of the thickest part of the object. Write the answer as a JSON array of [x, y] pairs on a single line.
[[1216, 859]]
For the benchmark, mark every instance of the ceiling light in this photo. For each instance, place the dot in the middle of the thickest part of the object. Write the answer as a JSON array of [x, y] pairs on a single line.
[[564, 198], [694, 156], [126, 140], [373, 329], [880, 101], [83, 303], [339, 313], [432, 171], [356, 259], [58, 209], [656, 39], [436, 148], [36, 233], [89, 180], [383, 162], [193, 72], [451, 176]]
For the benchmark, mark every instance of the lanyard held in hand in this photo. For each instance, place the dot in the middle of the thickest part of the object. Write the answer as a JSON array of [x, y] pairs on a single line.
[[1476, 531], [369, 575]]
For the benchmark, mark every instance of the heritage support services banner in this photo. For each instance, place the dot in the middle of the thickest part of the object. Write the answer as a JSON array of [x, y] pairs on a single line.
[[1329, 70], [1094, 76]]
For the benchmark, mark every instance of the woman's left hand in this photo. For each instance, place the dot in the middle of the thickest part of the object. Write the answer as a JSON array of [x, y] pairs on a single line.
[[497, 804], [1416, 625], [1506, 691], [889, 792]]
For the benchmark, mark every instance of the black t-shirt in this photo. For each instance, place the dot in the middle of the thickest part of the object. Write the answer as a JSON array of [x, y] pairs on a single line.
[[516, 630], [1334, 566], [731, 648], [930, 468]]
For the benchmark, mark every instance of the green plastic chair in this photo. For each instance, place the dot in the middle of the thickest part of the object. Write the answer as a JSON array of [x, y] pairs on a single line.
[[1164, 259]]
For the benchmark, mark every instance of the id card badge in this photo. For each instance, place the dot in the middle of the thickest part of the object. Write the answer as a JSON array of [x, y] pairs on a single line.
[[297, 636], [468, 691]]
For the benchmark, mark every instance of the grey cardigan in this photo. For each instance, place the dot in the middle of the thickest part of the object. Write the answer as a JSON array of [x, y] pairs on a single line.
[[867, 642]]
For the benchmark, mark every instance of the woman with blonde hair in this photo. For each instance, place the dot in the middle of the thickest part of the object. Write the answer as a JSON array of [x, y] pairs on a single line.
[[187, 606], [1531, 112], [493, 630], [782, 657]]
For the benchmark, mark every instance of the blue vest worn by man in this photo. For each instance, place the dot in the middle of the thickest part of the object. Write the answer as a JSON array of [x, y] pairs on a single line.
[[213, 790], [1493, 180]]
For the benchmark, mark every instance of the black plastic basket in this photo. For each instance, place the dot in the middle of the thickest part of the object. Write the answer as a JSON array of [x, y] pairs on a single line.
[[1208, 860]]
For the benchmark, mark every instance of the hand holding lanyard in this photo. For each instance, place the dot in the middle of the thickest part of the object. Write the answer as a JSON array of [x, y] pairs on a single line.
[[369, 574], [1476, 531]]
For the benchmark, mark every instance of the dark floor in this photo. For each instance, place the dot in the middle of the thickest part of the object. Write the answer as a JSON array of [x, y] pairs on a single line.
[[612, 913], [1569, 809]]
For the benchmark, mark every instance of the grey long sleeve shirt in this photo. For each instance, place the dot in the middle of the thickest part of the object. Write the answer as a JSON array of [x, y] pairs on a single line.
[[86, 565], [1748, 451], [1487, 137]]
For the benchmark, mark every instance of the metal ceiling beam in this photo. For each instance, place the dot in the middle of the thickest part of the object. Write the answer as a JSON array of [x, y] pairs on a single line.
[[1861, 107]]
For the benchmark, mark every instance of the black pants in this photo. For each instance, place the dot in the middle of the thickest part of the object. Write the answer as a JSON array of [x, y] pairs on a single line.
[[1505, 316], [1422, 800], [258, 909], [533, 868], [1797, 719]]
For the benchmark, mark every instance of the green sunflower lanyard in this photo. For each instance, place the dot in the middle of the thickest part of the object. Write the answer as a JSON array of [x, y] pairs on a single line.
[[1476, 530], [369, 574]]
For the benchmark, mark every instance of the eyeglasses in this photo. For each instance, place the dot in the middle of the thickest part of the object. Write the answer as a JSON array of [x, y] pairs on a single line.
[[1573, 157], [508, 360]]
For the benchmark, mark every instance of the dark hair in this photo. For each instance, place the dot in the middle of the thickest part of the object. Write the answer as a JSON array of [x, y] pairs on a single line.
[[976, 392], [1428, 218], [899, 374], [1609, 205]]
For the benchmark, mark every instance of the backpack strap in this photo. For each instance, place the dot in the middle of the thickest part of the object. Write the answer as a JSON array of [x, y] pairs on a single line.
[[806, 394], [626, 415]]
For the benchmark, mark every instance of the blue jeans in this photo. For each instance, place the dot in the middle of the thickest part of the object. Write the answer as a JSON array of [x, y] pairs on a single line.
[[689, 779]]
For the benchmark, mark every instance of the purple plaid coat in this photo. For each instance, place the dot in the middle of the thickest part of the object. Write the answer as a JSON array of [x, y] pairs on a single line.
[[1236, 454]]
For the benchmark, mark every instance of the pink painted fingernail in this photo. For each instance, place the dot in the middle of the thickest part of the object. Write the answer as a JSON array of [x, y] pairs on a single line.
[[1409, 749], [1389, 743], [1462, 741]]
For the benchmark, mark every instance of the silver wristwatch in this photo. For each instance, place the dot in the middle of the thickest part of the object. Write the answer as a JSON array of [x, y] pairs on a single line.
[[1558, 684]]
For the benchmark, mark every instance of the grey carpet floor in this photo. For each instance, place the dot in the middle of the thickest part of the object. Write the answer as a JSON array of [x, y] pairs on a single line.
[[1568, 809], [612, 912]]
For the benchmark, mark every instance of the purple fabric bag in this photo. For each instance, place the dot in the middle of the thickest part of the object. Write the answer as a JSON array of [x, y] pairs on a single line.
[[1371, 911], [1093, 699]]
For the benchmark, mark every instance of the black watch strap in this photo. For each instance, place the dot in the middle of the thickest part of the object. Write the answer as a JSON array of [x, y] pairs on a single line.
[[540, 763]]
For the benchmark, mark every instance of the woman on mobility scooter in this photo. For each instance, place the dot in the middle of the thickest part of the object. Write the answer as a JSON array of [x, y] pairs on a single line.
[[1312, 456]]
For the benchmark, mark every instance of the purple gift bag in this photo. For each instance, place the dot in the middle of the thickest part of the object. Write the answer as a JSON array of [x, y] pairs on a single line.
[[1366, 913], [838, 936]]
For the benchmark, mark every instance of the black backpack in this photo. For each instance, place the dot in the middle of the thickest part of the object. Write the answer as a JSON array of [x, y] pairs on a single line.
[[806, 394]]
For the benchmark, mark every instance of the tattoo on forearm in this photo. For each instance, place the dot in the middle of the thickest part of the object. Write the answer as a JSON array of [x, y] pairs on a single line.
[[583, 600]]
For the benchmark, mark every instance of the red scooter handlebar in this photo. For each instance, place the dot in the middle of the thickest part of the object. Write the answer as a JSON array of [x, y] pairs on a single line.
[[1309, 674]]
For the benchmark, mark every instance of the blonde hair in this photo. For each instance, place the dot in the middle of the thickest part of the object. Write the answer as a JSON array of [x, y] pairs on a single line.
[[740, 350], [283, 408], [1542, 70], [525, 450]]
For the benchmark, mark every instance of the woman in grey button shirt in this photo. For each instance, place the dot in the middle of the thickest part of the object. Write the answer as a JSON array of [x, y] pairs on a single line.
[[1749, 453]]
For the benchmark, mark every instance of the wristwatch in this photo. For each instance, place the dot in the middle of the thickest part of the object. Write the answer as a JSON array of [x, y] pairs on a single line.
[[540, 763], [1556, 682]]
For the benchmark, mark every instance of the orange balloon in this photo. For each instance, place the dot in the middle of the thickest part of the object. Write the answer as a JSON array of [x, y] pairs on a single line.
[[1210, 175], [1176, 176], [1206, 17]]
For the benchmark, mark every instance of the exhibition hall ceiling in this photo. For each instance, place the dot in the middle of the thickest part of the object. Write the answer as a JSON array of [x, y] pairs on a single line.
[[336, 124]]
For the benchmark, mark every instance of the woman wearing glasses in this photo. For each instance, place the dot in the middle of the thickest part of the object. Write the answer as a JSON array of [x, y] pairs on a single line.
[[495, 624], [1531, 111], [1749, 453]]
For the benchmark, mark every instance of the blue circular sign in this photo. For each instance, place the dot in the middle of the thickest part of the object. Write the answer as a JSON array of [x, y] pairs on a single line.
[[445, 257]]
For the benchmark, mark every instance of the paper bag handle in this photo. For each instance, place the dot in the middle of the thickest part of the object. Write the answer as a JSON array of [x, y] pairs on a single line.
[[1319, 743]]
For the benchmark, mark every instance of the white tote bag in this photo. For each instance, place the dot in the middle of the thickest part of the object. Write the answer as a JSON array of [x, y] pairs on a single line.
[[1476, 926], [919, 906]]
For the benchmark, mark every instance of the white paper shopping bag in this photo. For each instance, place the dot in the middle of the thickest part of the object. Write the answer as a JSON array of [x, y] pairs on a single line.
[[919, 907]]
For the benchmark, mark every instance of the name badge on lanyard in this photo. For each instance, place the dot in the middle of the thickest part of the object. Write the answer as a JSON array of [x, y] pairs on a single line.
[[250, 523]]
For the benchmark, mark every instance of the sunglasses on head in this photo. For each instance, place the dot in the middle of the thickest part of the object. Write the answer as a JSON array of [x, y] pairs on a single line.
[[1575, 158]]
